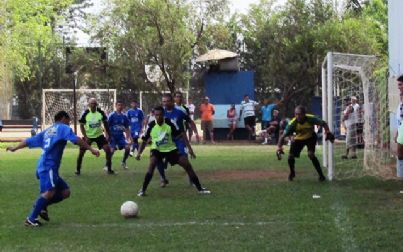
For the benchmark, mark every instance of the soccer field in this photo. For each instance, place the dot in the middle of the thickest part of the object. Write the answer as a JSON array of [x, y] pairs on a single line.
[[252, 206]]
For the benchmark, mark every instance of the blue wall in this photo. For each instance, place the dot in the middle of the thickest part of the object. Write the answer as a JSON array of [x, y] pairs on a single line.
[[229, 87]]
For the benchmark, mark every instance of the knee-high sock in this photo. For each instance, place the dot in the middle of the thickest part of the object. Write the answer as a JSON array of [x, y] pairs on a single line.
[[147, 180], [126, 155], [40, 203], [193, 177], [316, 164], [161, 169], [291, 164]]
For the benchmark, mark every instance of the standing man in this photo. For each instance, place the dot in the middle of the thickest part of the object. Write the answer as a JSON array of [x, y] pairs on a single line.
[[267, 112], [350, 125], [303, 127], [53, 188], [192, 109], [163, 133], [248, 109], [136, 118], [178, 118], [120, 132], [191, 126], [399, 132], [91, 122], [207, 114]]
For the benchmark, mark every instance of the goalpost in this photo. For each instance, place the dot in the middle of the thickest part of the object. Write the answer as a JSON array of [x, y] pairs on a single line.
[[344, 76], [54, 100]]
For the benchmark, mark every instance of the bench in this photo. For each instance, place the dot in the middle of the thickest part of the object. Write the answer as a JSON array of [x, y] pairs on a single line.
[[21, 124]]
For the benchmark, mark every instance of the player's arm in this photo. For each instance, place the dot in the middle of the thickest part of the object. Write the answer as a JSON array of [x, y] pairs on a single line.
[[240, 112], [106, 129], [82, 122], [145, 140], [82, 128], [177, 134], [20, 145], [329, 135]]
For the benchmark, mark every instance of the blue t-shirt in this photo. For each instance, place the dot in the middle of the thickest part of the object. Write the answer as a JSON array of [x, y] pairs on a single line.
[[118, 122], [177, 117], [136, 117], [267, 112], [52, 140]]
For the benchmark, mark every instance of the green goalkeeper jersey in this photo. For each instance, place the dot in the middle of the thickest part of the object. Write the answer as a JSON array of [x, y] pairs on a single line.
[[92, 122]]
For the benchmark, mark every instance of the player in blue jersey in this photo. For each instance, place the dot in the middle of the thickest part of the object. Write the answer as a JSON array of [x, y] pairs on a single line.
[[178, 118], [120, 137], [136, 118], [53, 188], [191, 126]]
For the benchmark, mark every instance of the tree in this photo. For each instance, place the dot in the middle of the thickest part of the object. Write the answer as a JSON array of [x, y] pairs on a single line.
[[162, 34]]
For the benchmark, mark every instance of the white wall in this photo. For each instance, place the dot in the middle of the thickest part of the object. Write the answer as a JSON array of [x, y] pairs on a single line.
[[395, 25]]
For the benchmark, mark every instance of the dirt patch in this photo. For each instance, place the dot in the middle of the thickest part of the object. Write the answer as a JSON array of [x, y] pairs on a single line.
[[246, 175]]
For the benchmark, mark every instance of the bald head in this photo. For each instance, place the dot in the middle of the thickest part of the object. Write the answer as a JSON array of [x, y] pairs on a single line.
[[92, 104]]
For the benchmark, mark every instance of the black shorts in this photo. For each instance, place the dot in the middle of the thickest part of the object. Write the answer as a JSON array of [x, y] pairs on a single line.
[[250, 121], [360, 128], [298, 145], [100, 141], [172, 157]]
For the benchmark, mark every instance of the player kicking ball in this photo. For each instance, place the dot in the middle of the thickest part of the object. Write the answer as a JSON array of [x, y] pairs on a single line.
[[303, 127], [53, 188], [162, 133]]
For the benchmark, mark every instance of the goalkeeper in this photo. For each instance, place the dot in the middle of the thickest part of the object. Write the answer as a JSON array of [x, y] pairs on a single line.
[[303, 127]]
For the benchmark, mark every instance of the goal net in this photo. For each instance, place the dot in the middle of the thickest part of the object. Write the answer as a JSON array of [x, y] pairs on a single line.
[[55, 100], [355, 105], [150, 99]]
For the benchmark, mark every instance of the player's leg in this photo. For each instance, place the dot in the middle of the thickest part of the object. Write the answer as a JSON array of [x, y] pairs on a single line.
[[183, 161], [80, 157], [47, 191], [135, 145], [295, 150], [211, 131], [126, 154], [162, 165], [155, 157], [62, 192], [311, 144], [204, 129]]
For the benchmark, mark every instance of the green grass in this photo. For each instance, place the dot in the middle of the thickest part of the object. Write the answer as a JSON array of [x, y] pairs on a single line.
[[243, 213]]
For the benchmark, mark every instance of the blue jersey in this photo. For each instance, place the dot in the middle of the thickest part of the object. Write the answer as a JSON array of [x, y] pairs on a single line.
[[267, 112], [118, 122], [52, 140], [136, 118], [177, 117]]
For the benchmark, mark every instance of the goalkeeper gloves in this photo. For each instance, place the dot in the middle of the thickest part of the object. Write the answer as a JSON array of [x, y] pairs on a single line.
[[330, 137]]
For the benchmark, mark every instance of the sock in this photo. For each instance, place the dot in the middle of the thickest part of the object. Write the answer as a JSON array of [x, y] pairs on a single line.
[[126, 155], [316, 163], [399, 168], [147, 180], [193, 177], [40, 203], [291, 164], [161, 170]]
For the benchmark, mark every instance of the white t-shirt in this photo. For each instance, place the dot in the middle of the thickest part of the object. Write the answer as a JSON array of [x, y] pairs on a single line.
[[248, 108], [191, 108], [399, 113], [355, 115]]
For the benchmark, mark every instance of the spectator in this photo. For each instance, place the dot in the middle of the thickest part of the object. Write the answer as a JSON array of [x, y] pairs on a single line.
[[274, 126], [266, 110], [231, 116], [399, 132], [191, 108], [248, 108], [207, 112], [351, 130]]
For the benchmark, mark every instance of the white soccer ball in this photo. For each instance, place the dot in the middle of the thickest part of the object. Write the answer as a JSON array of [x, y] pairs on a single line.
[[129, 209]]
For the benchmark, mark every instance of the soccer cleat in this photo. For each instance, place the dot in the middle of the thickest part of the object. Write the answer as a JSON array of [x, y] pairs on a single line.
[[77, 173], [354, 157], [141, 193], [265, 142], [131, 154], [280, 154], [105, 168], [111, 172], [344, 157], [291, 176], [204, 191], [322, 178], [164, 183], [29, 223], [124, 166], [44, 215]]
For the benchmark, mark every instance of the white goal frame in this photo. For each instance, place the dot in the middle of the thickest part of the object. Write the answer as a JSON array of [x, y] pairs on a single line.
[[330, 64], [44, 91]]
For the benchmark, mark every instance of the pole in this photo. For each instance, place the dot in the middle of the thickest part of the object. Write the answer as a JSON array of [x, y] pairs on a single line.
[[75, 101], [330, 113]]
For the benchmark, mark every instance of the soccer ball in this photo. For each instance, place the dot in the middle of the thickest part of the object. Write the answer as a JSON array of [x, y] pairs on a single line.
[[129, 209]]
